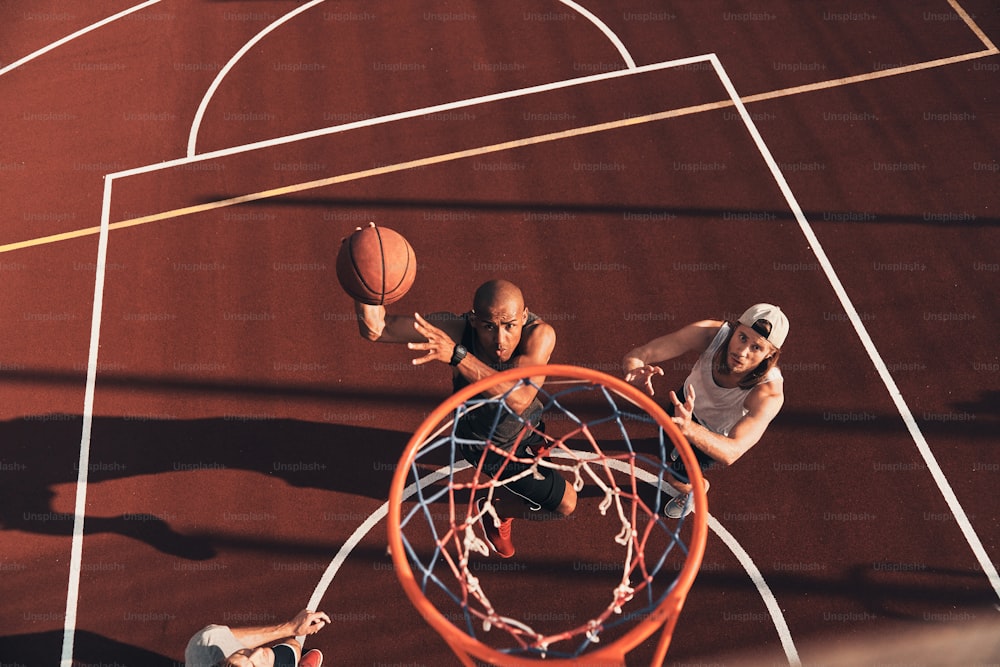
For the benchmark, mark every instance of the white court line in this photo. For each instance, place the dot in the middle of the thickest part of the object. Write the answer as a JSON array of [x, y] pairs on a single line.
[[626, 56], [961, 518], [402, 115], [207, 97], [603, 27], [76, 548], [973, 26], [76, 552], [757, 577], [68, 38]]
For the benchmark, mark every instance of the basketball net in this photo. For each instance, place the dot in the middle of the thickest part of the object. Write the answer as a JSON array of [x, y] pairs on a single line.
[[610, 442]]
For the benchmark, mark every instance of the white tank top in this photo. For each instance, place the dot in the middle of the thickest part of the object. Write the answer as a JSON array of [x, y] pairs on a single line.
[[717, 408]]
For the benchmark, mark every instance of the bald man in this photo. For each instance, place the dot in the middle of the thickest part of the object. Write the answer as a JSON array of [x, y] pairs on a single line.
[[498, 333]]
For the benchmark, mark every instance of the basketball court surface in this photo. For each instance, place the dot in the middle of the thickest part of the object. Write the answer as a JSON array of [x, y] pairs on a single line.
[[194, 432]]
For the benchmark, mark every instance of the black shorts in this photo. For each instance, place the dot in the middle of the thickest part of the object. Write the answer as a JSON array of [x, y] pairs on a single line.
[[546, 493], [284, 655]]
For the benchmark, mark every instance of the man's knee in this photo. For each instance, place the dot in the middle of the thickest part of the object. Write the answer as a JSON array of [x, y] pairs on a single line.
[[568, 503]]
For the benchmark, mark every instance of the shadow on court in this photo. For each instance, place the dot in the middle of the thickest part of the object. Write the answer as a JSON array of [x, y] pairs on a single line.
[[42, 453], [45, 648]]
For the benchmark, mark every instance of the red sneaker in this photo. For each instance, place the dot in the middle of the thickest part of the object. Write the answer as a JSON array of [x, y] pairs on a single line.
[[313, 658], [497, 537]]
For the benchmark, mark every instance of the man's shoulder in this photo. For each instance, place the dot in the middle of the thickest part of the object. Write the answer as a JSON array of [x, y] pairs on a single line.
[[538, 328], [772, 388], [699, 335], [210, 645]]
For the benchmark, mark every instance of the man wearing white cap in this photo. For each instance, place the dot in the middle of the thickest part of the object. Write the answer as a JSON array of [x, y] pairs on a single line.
[[731, 395]]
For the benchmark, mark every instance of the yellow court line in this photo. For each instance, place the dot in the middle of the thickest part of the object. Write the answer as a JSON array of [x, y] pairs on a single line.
[[421, 162], [517, 143], [44, 240], [368, 173], [861, 78]]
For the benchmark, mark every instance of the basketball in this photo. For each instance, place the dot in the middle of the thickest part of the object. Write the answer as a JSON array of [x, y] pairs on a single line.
[[376, 265]]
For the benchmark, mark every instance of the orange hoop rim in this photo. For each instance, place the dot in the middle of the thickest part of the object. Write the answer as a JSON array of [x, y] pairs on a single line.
[[663, 615]]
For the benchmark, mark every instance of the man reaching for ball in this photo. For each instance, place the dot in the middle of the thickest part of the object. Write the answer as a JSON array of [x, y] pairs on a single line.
[[732, 393], [498, 333]]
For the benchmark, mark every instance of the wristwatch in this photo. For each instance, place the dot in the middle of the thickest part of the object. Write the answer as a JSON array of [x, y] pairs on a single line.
[[458, 355]]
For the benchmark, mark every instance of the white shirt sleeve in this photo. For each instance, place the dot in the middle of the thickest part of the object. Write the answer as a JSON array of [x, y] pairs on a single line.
[[210, 645]]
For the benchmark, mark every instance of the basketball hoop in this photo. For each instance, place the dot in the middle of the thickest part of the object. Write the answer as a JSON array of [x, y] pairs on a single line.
[[601, 434]]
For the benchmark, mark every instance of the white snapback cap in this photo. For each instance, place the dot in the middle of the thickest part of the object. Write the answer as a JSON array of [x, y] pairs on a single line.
[[768, 321]]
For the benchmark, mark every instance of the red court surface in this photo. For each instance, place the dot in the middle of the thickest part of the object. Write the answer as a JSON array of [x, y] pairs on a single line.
[[194, 432]]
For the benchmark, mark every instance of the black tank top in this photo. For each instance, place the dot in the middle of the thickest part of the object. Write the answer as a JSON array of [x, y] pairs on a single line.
[[479, 423]]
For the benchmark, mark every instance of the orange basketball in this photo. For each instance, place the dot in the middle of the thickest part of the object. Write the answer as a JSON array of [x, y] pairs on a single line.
[[376, 265]]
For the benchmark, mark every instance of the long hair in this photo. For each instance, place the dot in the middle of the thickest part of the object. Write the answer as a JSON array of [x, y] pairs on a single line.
[[754, 377]]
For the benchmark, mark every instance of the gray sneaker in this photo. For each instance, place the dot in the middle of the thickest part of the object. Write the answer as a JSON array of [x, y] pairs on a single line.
[[679, 506]]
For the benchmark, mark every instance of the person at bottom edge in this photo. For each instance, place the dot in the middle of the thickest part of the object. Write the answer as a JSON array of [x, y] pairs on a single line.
[[257, 646]]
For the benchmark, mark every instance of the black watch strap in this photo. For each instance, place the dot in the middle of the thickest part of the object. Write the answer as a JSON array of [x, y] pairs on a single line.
[[458, 355]]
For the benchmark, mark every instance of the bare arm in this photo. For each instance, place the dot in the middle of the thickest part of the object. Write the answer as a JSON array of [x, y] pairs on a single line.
[[763, 404], [306, 622], [378, 326], [641, 364]]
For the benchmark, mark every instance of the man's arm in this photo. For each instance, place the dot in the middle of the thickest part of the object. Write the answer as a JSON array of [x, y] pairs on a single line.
[[763, 404], [378, 326], [640, 365], [306, 622], [696, 336]]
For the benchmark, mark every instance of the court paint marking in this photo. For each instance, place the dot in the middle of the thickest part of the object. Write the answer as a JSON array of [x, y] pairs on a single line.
[[758, 97], [76, 550], [76, 547], [79, 33], [207, 97], [770, 602], [973, 26], [862, 78], [412, 113], [757, 577], [623, 51], [217, 81], [312, 134], [603, 27], [961, 518], [410, 164]]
